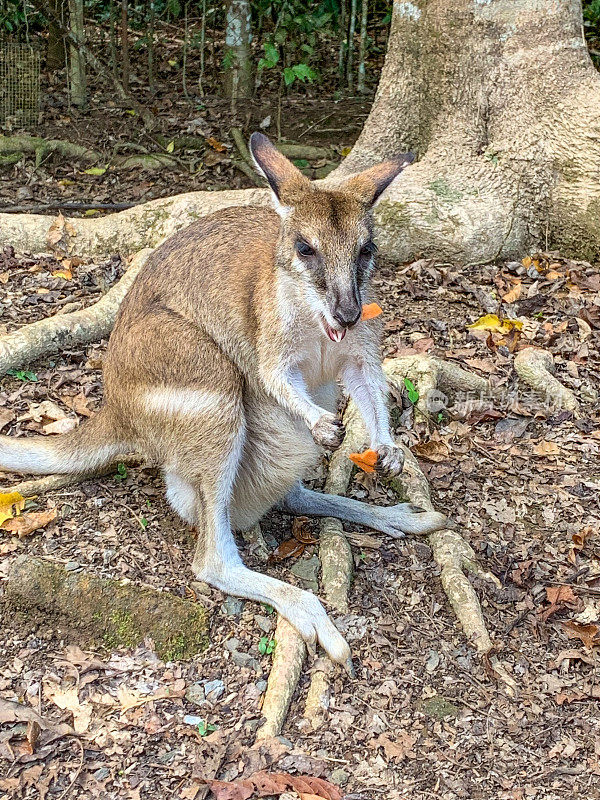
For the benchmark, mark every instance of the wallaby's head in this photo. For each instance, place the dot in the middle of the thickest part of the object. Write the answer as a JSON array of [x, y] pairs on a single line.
[[326, 238]]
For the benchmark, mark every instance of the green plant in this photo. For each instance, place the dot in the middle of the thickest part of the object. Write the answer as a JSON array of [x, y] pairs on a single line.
[[413, 392], [205, 727], [121, 472], [23, 375], [266, 646]]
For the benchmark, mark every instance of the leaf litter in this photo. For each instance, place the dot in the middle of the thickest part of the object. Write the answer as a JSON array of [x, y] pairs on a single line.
[[520, 479]]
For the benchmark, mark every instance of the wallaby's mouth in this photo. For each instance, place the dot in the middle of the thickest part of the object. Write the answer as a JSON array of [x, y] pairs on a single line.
[[334, 334]]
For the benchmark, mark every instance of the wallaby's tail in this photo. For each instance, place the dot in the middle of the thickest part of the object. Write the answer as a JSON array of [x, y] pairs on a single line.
[[84, 449]]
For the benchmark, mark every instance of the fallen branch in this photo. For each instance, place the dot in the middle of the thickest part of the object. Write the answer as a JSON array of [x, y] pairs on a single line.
[[536, 366], [115, 613], [58, 206], [65, 330]]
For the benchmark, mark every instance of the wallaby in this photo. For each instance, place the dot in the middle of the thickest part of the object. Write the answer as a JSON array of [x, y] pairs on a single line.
[[222, 369]]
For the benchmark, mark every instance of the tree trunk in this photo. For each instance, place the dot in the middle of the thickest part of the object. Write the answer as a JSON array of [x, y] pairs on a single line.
[[124, 44], [76, 59], [55, 53], [501, 101], [238, 37]]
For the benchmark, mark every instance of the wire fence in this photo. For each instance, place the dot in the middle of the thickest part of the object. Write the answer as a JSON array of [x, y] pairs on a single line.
[[19, 84]]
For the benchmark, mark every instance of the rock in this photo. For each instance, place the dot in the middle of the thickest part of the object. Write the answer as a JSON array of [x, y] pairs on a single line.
[[233, 606], [214, 690], [115, 613], [195, 694], [340, 777], [307, 569], [264, 623], [101, 774], [200, 587], [192, 719], [245, 660], [438, 707], [232, 644], [261, 686]]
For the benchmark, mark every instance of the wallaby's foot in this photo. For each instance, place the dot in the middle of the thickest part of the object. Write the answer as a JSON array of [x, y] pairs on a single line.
[[390, 460], [328, 431], [406, 518], [304, 611]]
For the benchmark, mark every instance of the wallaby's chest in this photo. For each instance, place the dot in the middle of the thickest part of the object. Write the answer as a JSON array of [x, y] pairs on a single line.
[[320, 362]]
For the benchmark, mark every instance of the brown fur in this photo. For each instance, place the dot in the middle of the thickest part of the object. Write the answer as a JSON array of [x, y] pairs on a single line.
[[220, 368]]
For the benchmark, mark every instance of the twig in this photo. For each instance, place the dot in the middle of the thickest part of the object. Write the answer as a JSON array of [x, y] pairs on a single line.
[[64, 793]]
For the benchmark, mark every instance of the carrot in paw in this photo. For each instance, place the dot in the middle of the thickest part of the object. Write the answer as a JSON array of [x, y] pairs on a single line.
[[370, 311], [366, 461]]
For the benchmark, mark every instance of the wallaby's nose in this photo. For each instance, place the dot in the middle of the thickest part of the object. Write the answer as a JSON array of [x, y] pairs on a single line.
[[347, 314]]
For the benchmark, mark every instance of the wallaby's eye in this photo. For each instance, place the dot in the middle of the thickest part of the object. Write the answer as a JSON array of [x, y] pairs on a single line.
[[303, 249], [368, 249]]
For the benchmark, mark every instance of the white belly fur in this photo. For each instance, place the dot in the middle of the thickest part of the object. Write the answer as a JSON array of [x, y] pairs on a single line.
[[278, 451]]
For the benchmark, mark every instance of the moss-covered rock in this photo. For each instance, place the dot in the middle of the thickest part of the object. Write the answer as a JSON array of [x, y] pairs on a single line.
[[116, 613]]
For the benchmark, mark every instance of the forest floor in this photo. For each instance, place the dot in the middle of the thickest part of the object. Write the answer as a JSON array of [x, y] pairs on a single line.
[[423, 718]]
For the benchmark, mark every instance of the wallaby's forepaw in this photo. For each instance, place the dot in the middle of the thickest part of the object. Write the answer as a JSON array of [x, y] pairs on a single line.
[[328, 431], [390, 460]]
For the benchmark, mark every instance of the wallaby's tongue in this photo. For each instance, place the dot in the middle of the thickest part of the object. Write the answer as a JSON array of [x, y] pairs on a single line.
[[335, 336]]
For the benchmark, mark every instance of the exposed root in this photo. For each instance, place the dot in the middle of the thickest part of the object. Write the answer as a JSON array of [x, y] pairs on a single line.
[[432, 376], [535, 366], [454, 556], [288, 658], [51, 482], [66, 330]]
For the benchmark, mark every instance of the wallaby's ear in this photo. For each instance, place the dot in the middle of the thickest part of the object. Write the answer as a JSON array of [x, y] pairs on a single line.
[[286, 180], [368, 185]]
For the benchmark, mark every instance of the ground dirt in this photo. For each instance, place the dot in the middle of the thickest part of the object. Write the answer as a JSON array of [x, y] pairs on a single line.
[[424, 717]]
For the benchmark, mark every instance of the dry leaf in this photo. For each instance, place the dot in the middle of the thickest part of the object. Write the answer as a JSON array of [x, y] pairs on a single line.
[[6, 416], [398, 749], [513, 295], [545, 448], [130, 699], [68, 700], [492, 323], [301, 532], [63, 273], [589, 634], [11, 505], [25, 524], [216, 144], [366, 460], [274, 783], [557, 595], [60, 426], [432, 450]]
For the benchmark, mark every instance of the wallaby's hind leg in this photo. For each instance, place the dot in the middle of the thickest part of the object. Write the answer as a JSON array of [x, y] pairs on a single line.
[[394, 520], [217, 561]]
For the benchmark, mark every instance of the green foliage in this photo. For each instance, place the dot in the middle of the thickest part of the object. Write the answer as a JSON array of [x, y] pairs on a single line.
[[23, 375], [266, 646], [413, 392], [121, 472]]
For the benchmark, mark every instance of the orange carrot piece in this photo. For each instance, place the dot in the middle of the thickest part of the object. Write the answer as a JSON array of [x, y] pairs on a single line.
[[366, 461], [370, 311]]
